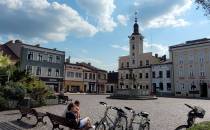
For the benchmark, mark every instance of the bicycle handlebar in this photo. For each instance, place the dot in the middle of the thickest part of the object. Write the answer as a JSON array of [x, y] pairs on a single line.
[[189, 106]]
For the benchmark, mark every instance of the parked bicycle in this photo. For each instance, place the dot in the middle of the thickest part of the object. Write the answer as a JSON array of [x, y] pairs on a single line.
[[142, 124], [195, 112], [106, 123]]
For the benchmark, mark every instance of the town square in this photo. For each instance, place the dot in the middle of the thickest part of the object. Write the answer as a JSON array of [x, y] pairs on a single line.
[[104, 65]]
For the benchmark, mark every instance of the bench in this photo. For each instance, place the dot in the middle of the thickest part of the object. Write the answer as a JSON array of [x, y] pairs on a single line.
[[59, 120], [25, 111]]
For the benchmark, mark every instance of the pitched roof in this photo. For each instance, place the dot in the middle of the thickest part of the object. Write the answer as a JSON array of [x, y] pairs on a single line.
[[192, 42], [7, 51], [89, 66]]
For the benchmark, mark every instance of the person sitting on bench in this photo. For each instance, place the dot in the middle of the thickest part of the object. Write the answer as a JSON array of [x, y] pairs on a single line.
[[81, 123]]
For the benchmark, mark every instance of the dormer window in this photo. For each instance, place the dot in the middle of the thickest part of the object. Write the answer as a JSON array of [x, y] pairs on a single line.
[[30, 55]]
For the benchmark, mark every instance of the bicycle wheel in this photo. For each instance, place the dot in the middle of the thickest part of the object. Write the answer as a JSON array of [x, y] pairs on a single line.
[[101, 126], [122, 124], [145, 126], [182, 127]]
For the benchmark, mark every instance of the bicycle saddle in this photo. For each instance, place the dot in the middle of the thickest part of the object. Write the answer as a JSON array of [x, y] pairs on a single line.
[[128, 108], [144, 114], [102, 103]]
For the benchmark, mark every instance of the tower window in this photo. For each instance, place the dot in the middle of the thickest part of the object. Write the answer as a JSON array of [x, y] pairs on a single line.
[[133, 47], [147, 62], [140, 63], [127, 64]]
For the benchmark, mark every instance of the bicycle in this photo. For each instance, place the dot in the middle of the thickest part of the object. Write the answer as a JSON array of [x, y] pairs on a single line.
[[143, 124], [106, 121], [195, 112]]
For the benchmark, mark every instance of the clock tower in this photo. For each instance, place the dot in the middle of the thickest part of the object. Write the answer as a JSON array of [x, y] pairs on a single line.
[[136, 41]]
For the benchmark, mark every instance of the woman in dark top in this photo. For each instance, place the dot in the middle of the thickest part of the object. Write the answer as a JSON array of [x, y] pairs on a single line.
[[79, 123]]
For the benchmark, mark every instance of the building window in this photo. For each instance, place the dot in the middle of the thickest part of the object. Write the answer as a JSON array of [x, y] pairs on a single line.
[[133, 47], [133, 54], [202, 73], [29, 69], [40, 57], [127, 86], [90, 76], [122, 65], [133, 61], [38, 70], [160, 74], [147, 87], [191, 73], [127, 64], [58, 59], [85, 75], [147, 62], [168, 74], [72, 74], [140, 75], [94, 76], [169, 86], [30, 55], [80, 75], [153, 74], [49, 72], [57, 72], [161, 86], [140, 86], [68, 74], [147, 75], [140, 63], [127, 76], [50, 58]]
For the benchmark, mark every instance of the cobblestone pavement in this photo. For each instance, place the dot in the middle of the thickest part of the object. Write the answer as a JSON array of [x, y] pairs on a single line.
[[166, 113]]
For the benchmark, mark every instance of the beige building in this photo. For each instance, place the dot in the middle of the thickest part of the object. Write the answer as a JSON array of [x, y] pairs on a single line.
[[191, 63], [73, 81], [135, 69]]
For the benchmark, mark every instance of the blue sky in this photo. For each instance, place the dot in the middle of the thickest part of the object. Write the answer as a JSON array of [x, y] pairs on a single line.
[[97, 31]]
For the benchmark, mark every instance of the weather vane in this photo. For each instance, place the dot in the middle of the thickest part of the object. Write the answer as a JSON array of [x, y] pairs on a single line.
[[136, 16]]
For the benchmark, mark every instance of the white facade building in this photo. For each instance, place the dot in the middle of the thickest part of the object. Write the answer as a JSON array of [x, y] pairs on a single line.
[[162, 77]]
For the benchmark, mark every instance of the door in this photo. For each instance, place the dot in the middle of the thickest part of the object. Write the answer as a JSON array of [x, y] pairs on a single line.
[[204, 90]]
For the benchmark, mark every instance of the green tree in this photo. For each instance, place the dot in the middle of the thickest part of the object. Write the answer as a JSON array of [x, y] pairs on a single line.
[[205, 4], [4, 61]]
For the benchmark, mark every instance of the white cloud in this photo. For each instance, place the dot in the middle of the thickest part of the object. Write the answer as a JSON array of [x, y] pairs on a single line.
[[122, 19], [42, 19], [162, 13], [124, 47], [101, 10], [156, 48], [148, 47]]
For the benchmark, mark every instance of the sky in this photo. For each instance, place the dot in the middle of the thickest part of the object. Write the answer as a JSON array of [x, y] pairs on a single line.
[[97, 31]]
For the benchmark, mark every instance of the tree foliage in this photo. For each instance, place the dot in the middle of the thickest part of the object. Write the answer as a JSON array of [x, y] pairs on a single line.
[[205, 4]]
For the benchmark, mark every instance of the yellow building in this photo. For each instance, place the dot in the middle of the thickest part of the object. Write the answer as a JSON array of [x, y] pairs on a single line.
[[73, 78]]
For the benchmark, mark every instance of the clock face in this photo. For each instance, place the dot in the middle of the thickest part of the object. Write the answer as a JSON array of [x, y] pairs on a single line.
[[133, 38]]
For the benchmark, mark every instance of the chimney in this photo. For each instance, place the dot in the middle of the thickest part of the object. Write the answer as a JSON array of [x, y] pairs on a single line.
[[37, 45], [18, 41], [68, 59], [54, 49], [164, 57], [156, 55], [89, 63]]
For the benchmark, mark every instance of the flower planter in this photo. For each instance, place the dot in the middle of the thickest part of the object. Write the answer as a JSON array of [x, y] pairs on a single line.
[[52, 101]]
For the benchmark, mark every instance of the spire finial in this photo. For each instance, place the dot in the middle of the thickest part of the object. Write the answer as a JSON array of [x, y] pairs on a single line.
[[136, 17]]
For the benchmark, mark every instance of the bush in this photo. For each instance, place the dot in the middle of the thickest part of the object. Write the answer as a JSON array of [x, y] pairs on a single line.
[[14, 91], [201, 126], [3, 103]]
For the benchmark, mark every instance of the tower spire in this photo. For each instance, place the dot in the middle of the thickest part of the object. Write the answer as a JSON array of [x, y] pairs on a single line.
[[136, 19], [136, 26]]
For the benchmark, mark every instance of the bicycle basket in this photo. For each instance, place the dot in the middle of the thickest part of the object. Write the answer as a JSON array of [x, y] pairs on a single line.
[[200, 112]]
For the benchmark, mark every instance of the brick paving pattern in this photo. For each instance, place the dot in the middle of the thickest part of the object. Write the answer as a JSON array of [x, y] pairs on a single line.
[[166, 113]]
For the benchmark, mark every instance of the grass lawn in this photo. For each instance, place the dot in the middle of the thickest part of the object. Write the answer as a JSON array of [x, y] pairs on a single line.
[[201, 126]]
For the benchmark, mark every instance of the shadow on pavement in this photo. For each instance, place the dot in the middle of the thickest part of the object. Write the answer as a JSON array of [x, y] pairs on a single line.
[[7, 126], [22, 124]]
